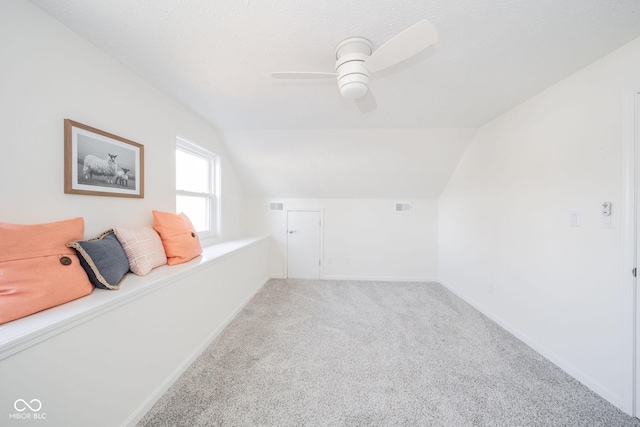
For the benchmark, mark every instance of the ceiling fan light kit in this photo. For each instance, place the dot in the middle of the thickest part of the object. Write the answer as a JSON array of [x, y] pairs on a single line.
[[356, 59], [354, 86]]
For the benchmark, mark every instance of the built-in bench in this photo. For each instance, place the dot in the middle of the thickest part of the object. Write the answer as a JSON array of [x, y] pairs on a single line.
[[105, 359], [23, 333]]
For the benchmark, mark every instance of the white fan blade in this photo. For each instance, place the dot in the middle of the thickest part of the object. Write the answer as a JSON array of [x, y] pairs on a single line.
[[367, 103], [403, 46], [303, 75]]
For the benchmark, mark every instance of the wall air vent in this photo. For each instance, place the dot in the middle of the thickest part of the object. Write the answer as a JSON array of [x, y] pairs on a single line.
[[403, 207], [276, 206]]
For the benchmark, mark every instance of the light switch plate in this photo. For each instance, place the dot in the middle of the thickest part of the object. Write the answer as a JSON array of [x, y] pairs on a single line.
[[609, 221], [574, 218]]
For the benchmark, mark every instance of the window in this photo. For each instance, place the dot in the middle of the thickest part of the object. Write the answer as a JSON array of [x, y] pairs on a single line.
[[196, 187]]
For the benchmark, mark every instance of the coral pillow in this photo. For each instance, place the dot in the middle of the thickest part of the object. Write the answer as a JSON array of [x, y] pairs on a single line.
[[143, 248], [37, 270], [179, 238]]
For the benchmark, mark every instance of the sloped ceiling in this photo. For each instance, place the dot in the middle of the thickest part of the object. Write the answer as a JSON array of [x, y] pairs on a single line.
[[216, 57], [348, 163]]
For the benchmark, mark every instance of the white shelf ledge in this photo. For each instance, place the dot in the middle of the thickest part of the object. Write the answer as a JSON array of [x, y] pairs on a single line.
[[22, 333]]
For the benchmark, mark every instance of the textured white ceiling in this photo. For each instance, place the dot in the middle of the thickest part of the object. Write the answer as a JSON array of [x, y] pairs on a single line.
[[216, 58]]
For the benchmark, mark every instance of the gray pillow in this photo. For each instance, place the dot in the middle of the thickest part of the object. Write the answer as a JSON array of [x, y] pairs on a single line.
[[103, 259]]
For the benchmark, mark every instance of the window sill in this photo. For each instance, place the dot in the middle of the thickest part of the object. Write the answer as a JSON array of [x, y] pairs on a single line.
[[209, 238], [22, 333]]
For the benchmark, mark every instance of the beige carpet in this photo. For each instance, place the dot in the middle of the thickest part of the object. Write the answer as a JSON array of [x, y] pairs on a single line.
[[322, 353]]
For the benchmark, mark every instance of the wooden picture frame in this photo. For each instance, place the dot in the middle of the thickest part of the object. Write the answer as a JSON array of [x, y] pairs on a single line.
[[101, 164]]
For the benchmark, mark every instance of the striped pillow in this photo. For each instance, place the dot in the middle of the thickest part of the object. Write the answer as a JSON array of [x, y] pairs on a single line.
[[143, 248]]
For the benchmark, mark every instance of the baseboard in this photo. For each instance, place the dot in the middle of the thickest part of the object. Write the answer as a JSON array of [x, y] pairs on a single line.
[[563, 364], [370, 278], [139, 413], [381, 278]]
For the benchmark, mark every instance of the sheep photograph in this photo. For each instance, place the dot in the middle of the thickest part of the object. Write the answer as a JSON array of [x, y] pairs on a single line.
[[102, 164]]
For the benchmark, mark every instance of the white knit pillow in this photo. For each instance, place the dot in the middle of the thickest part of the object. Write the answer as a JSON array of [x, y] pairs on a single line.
[[143, 248]]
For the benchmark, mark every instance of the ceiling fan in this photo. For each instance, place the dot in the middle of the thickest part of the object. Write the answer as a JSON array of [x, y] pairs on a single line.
[[356, 61]]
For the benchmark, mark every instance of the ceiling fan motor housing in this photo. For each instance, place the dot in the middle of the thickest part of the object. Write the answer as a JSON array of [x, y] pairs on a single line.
[[353, 77], [356, 60]]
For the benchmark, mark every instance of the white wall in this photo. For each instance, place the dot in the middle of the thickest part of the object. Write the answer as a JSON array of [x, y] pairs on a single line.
[[49, 73], [505, 241], [380, 243]]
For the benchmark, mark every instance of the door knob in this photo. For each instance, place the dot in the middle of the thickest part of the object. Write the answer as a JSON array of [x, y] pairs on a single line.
[[292, 231]]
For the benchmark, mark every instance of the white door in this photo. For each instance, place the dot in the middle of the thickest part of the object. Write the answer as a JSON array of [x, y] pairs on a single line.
[[303, 244]]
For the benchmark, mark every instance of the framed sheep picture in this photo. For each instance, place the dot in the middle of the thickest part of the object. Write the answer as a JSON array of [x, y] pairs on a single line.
[[101, 164]]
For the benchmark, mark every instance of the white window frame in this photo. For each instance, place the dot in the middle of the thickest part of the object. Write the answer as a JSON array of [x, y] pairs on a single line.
[[212, 235]]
